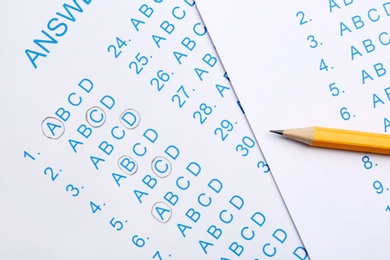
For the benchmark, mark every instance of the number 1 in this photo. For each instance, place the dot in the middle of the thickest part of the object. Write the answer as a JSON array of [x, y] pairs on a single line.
[[26, 154]]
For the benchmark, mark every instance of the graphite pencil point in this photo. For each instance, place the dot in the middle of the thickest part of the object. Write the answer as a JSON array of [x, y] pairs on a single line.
[[279, 132]]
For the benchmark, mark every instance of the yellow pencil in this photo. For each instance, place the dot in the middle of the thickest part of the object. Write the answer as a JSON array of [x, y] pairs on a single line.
[[339, 139]]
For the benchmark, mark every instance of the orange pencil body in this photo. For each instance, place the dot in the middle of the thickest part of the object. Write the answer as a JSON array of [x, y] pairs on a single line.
[[340, 139]]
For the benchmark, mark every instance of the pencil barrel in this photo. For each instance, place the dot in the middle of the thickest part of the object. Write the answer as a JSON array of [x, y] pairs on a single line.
[[351, 140]]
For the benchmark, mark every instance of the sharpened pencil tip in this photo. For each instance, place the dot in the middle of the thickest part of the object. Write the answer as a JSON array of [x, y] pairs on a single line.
[[279, 132]]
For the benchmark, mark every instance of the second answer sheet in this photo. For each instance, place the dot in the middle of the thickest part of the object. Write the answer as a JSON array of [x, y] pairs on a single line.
[[299, 64]]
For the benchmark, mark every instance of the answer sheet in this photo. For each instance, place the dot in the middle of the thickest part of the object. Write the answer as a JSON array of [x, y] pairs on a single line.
[[315, 63], [122, 139]]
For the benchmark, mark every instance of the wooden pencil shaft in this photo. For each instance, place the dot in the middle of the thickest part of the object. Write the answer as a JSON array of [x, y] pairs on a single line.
[[341, 139], [351, 140]]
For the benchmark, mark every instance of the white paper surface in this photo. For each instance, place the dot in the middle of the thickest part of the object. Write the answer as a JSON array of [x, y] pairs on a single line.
[[296, 64], [122, 139]]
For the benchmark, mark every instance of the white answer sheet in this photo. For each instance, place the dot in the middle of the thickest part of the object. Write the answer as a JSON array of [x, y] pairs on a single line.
[[121, 138], [315, 63]]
